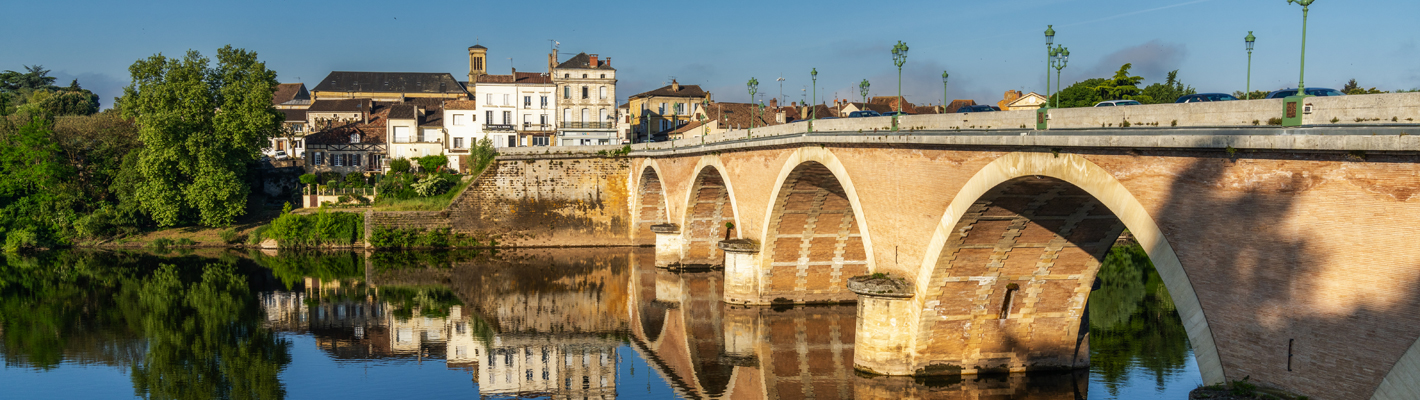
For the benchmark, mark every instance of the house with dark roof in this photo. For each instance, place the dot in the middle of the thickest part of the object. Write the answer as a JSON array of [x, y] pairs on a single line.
[[347, 146], [388, 86], [715, 118], [585, 99], [666, 108], [291, 96]]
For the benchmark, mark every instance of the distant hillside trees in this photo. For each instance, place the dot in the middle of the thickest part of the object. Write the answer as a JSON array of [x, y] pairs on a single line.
[[33, 91]]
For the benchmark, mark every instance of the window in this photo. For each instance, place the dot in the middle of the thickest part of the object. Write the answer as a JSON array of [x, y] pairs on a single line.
[[603, 76], [584, 76], [603, 92], [663, 109], [490, 99], [584, 92], [566, 92], [335, 160], [544, 101], [584, 115], [458, 143], [458, 119], [601, 117], [296, 144], [566, 115], [543, 119], [527, 101], [489, 117], [401, 134], [318, 158], [539, 140], [507, 118], [506, 102], [566, 75], [355, 160], [527, 119], [679, 109], [354, 138]]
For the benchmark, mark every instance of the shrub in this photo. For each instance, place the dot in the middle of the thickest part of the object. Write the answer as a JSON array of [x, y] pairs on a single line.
[[309, 179], [286, 208], [21, 239], [432, 163], [159, 245], [319, 229], [387, 238], [355, 180], [434, 185], [399, 165], [185, 242], [230, 236], [257, 235]]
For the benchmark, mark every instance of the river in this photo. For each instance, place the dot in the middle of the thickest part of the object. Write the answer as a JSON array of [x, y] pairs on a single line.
[[560, 324]]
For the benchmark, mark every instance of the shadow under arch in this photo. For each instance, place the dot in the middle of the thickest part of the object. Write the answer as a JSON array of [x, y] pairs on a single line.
[[1100, 186], [650, 205], [815, 235], [710, 204]]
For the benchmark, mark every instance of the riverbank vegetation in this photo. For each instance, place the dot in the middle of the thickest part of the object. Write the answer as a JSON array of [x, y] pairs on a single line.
[[322, 229], [162, 157], [404, 238]]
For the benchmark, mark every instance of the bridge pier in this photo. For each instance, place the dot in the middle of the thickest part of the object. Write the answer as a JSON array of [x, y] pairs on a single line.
[[670, 245], [884, 326], [742, 280]]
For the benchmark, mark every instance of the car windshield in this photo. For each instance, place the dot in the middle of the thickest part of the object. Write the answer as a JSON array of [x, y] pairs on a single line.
[[1219, 97], [1324, 92]]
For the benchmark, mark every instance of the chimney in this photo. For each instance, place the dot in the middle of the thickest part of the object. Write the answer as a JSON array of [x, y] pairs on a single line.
[[515, 73], [593, 61], [675, 86], [774, 103], [778, 116], [607, 62]]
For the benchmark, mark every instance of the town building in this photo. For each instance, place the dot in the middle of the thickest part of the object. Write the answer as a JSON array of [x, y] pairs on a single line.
[[389, 86], [463, 130], [292, 100], [518, 109], [415, 130], [716, 118], [666, 109], [1013, 100], [586, 99]]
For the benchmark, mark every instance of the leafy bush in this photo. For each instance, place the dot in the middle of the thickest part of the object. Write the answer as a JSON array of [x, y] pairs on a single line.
[[257, 235], [432, 163], [309, 179], [415, 237], [319, 229], [159, 245], [434, 185], [230, 236], [355, 180], [185, 242], [21, 239], [399, 165], [480, 156]]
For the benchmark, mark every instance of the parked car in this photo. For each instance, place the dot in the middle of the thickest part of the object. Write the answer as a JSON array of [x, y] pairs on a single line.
[[892, 113], [1320, 92], [280, 155], [1205, 97], [977, 108], [864, 113], [1118, 103]]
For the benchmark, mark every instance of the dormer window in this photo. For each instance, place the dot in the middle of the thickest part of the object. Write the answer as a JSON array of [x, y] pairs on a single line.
[[354, 138]]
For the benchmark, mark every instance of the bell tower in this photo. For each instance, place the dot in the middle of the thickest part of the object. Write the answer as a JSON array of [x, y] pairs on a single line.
[[477, 62]]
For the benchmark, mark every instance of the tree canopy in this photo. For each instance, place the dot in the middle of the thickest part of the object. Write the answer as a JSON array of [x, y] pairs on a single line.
[[1123, 87], [200, 127], [34, 91], [1168, 91]]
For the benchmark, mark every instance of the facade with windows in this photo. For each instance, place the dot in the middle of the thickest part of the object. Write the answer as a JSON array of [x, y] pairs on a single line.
[[414, 131], [585, 99], [517, 109], [465, 129], [665, 109]]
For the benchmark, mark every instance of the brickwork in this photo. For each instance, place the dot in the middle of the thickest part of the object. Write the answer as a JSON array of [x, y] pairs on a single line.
[[710, 208], [650, 205], [814, 245], [806, 352], [1012, 283], [550, 202], [405, 220]]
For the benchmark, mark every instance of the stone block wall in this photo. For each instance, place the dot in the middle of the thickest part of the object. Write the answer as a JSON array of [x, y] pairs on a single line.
[[405, 219], [548, 200]]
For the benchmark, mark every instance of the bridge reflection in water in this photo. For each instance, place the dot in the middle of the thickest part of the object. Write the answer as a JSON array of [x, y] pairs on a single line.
[[548, 323]]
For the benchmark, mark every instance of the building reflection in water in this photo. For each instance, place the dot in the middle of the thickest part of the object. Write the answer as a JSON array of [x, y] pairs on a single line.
[[549, 323]]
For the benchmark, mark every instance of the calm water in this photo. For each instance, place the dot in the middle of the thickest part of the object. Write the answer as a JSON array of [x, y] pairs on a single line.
[[560, 324]]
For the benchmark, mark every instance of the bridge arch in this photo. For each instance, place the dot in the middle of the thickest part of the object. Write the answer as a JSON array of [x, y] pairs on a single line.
[[815, 235], [650, 206], [710, 204], [1075, 188]]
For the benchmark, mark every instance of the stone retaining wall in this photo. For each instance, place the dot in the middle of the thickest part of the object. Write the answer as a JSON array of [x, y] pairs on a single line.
[[552, 200], [405, 219]]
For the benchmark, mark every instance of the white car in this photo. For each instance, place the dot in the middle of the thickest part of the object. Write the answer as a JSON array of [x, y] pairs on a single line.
[[1117, 103]]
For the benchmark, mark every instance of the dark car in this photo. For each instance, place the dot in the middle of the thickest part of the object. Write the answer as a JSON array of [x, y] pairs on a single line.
[[977, 108], [892, 113], [659, 137], [1206, 97], [864, 113], [1319, 92]]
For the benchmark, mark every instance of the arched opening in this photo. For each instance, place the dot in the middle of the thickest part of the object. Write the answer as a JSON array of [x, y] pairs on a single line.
[[650, 206], [709, 217], [813, 244]]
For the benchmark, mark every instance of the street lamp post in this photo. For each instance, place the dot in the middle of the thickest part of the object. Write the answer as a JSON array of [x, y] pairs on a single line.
[[899, 57], [863, 88], [813, 112], [753, 88], [1301, 82], [1062, 56], [944, 92], [1250, 39], [1049, 54]]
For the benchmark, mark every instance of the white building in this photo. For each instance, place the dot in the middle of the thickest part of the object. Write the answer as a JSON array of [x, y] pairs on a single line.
[[517, 109], [586, 100], [461, 121]]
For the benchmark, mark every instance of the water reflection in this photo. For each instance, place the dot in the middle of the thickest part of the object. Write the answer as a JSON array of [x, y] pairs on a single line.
[[570, 323]]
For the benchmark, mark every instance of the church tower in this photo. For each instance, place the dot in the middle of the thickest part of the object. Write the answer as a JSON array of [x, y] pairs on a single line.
[[477, 62]]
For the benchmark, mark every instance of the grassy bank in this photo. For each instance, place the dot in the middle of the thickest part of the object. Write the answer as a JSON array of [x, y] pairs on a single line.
[[432, 203]]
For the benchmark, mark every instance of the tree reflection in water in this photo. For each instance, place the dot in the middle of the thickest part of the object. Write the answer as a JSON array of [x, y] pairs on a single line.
[[1133, 322], [185, 332]]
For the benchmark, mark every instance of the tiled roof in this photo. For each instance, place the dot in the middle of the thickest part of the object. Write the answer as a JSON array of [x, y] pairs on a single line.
[[390, 82], [403, 111], [892, 101], [460, 105], [372, 132], [952, 108], [583, 61], [927, 110], [434, 117], [738, 115], [295, 115], [289, 91], [685, 91], [522, 78], [343, 105], [688, 127]]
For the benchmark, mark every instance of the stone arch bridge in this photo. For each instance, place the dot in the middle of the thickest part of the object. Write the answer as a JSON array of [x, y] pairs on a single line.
[[1292, 255]]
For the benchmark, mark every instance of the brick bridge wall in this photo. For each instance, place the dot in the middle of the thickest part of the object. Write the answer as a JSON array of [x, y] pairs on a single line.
[[1269, 246], [548, 201]]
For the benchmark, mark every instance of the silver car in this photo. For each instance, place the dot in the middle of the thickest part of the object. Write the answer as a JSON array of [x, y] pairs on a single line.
[[1118, 103]]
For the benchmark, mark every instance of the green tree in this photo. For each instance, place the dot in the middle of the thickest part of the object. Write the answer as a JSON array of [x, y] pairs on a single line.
[[1168, 91], [1353, 88], [1123, 87], [195, 158], [37, 190], [480, 156], [1080, 94]]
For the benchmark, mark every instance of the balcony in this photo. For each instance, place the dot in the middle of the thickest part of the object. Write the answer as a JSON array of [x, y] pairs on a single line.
[[588, 125], [531, 127], [497, 127]]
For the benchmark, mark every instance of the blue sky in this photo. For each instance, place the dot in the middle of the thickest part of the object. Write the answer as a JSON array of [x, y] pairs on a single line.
[[987, 46]]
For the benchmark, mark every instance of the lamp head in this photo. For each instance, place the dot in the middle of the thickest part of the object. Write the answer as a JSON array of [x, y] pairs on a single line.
[[1250, 39], [944, 76], [814, 73], [1049, 35]]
